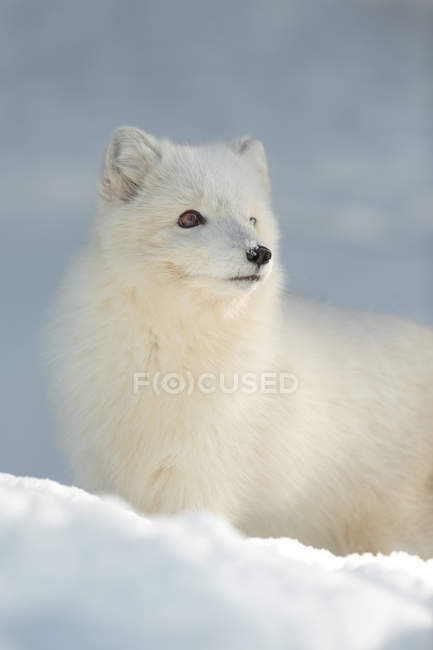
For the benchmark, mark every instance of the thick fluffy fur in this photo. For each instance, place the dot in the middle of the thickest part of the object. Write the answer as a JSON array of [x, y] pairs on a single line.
[[344, 462]]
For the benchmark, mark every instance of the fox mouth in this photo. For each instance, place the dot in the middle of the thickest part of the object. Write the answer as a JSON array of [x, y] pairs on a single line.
[[245, 278]]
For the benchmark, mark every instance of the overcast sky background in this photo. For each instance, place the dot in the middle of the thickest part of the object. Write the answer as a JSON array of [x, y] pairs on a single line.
[[340, 92]]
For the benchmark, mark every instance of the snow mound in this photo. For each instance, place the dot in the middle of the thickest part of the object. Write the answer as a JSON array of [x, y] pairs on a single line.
[[78, 571]]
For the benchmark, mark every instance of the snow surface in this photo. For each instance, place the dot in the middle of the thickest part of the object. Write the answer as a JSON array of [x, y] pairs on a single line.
[[79, 571]]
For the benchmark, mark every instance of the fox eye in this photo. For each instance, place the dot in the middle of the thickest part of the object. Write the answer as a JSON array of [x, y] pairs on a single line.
[[253, 220], [190, 219]]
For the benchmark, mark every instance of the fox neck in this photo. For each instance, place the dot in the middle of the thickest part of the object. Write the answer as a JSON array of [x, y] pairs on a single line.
[[201, 335]]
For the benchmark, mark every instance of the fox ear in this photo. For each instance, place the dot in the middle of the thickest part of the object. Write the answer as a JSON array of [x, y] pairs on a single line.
[[254, 151], [130, 154]]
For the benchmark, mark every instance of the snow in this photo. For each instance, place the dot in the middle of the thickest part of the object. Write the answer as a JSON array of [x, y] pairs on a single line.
[[82, 571]]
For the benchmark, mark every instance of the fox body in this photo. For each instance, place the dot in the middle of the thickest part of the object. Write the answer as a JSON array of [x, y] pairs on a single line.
[[181, 280]]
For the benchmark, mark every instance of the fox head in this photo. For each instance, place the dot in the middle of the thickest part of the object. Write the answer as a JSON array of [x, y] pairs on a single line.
[[195, 218]]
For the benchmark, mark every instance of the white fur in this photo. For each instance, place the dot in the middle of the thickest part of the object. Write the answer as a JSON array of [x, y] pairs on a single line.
[[345, 462]]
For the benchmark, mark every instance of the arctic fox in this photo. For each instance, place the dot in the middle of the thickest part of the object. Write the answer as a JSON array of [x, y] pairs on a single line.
[[169, 339]]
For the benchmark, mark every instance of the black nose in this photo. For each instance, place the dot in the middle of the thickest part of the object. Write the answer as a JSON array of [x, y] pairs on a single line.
[[259, 255]]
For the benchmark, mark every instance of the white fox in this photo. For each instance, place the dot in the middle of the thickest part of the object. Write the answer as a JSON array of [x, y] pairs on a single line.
[[180, 286]]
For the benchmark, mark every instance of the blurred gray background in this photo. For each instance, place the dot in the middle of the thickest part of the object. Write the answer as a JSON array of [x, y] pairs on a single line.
[[340, 91]]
